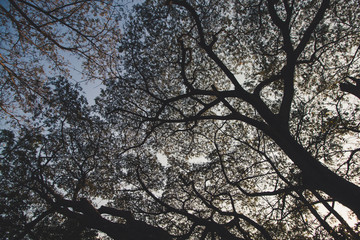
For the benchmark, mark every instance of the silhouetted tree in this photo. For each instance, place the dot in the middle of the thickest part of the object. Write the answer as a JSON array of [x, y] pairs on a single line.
[[223, 120]]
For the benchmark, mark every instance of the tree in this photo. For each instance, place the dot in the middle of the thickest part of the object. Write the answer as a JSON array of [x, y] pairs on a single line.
[[250, 86], [53, 169], [182, 82], [37, 37]]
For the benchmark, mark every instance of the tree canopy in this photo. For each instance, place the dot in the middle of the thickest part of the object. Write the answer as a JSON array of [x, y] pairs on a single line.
[[266, 93], [45, 34]]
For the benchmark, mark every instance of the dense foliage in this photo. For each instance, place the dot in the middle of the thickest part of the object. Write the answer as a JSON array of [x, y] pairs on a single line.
[[218, 120]]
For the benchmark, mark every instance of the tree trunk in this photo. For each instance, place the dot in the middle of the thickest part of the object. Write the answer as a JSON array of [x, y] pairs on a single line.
[[317, 176]]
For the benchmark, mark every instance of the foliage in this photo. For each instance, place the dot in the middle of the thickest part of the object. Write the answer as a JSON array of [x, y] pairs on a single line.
[[39, 37], [263, 91]]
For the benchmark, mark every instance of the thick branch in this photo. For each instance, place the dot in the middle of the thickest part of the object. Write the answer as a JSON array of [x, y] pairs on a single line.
[[127, 215], [91, 217], [265, 83], [351, 88], [309, 31], [283, 26]]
